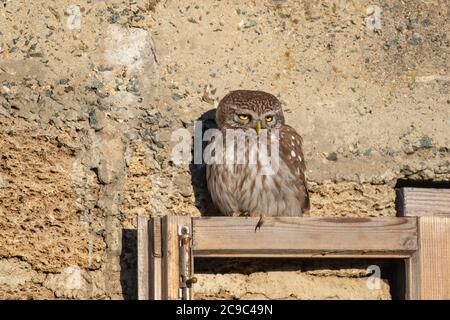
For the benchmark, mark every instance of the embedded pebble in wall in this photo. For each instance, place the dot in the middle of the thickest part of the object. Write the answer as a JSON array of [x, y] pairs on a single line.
[[74, 19], [373, 19], [2, 185]]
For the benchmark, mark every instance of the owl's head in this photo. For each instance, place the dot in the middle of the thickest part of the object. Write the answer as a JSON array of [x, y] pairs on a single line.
[[247, 109]]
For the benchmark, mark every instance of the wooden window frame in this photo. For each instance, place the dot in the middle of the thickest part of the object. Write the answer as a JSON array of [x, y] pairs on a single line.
[[420, 236]]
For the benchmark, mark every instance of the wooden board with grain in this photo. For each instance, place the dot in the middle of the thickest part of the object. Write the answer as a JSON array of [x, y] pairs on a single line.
[[390, 237], [155, 259], [143, 283], [434, 269], [411, 277], [423, 202], [171, 255]]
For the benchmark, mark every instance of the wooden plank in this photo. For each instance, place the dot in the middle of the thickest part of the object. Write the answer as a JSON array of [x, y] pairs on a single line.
[[389, 237], [412, 273], [142, 259], [155, 265], [423, 202], [171, 255], [434, 267]]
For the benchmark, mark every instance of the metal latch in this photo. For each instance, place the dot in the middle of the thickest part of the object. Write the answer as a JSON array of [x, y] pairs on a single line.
[[186, 263]]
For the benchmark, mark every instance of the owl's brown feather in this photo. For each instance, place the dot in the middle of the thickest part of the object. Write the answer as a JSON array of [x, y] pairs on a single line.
[[242, 188], [291, 152]]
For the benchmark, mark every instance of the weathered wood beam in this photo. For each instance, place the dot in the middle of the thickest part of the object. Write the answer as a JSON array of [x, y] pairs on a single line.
[[143, 283], [389, 237], [428, 271], [155, 259], [171, 255], [434, 243], [423, 202]]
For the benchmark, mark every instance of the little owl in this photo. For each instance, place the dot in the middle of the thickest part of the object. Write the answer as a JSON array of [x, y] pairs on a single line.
[[242, 188]]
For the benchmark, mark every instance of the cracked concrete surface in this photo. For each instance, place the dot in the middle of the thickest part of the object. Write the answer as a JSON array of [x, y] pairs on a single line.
[[87, 112]]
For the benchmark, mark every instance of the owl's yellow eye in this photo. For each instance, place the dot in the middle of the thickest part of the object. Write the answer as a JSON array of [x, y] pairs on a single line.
[[244, 116], [269, 118]]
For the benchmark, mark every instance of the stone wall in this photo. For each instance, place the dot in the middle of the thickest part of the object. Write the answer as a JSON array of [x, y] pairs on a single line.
[[90, 93]]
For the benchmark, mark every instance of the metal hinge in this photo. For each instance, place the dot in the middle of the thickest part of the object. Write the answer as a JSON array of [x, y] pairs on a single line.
[[187, 278]]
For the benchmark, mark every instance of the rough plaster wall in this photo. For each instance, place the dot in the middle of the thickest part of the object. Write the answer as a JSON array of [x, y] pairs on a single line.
[[87, 108], [291, 279], [289, 285]]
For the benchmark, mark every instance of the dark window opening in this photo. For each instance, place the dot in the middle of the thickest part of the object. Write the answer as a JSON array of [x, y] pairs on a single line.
[[404, 183]]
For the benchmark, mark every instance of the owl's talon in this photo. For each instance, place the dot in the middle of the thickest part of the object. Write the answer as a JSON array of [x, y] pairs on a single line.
[[260, 223]]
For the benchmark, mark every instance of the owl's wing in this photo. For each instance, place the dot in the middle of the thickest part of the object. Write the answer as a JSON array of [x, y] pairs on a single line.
[[292, 154]]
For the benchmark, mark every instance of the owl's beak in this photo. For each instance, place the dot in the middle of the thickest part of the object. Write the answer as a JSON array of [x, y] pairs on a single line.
[[258, 127]]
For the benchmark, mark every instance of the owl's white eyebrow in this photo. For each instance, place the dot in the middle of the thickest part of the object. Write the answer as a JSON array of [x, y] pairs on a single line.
[[252, 113]]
